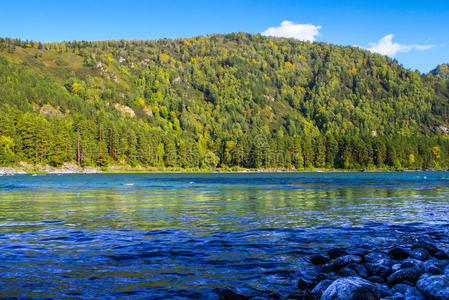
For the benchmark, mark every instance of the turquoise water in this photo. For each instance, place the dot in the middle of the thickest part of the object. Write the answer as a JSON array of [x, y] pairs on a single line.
[[188, 235]]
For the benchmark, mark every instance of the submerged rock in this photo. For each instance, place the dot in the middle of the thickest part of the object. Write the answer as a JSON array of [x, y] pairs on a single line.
[[434, 286], [351, 288]]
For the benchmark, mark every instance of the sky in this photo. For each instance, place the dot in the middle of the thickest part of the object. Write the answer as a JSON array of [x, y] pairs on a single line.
[[416, 33]]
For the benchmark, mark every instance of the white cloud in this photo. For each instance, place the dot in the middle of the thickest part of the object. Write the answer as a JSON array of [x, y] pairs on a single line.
[[304, 32], [386, 46]]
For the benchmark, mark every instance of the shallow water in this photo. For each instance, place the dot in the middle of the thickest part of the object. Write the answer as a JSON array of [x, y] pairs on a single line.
[[188, 235]]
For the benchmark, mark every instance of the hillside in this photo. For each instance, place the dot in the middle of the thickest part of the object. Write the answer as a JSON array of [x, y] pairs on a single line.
[[234, 100], [441, 71]]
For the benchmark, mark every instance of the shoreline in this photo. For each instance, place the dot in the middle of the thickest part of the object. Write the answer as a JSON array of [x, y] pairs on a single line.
[[74, 169]]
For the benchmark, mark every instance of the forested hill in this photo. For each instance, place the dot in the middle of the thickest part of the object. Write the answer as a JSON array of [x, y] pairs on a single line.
[[234, 100], [441, 71]]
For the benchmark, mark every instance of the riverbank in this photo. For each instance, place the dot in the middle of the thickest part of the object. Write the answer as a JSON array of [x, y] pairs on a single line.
[[71, 168], [74, 169], [66, 168]]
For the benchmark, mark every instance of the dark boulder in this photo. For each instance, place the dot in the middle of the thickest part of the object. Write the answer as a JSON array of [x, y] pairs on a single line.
[[300, 295], [398, 253], [360, 269], [412, 262], [322, 276], [228, 294], [382, 268], [431, 268], [347, 272], [376, 279], [342, 261], [351, 288], [319, 259], [336, 252], [319, 289], [420, 253], [384, 290], [427, 244], [396, 296], [408, 291], [411, 274], [376, 257], [440, 254], [395, 267], [304, 283], [434, 286]]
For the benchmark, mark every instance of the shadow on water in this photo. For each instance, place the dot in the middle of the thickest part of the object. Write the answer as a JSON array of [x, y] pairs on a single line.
[[186, 235]]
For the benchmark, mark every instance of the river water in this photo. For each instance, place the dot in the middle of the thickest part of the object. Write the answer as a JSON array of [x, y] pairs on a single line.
[[180, 236]]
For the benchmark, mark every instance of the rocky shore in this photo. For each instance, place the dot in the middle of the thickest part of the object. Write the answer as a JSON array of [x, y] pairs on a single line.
[[414, 267], [66, 168]]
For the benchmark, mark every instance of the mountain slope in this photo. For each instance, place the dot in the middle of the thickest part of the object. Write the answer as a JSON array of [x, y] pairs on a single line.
[[441, 71], [200, 102]]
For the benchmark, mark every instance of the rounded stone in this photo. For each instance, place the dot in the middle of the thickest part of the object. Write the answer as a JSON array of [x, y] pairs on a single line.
[[376, 279], [351, 288], [319, 259], [420, 253], [434, 286], [398, 253], [337, 252], [319, 289], [411, 274], [360, 269], [342, 261]]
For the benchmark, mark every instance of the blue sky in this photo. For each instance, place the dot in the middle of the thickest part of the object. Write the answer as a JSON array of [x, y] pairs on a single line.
[[420, 30]]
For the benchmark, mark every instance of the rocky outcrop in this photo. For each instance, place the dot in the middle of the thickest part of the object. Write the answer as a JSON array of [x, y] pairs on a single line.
[[49, 110], [125, 109]]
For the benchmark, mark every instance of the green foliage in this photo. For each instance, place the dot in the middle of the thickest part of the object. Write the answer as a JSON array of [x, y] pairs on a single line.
[[441, 71], [234, 100]]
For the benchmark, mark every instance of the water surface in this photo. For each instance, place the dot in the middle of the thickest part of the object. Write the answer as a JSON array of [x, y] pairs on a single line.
[[188, 235]]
